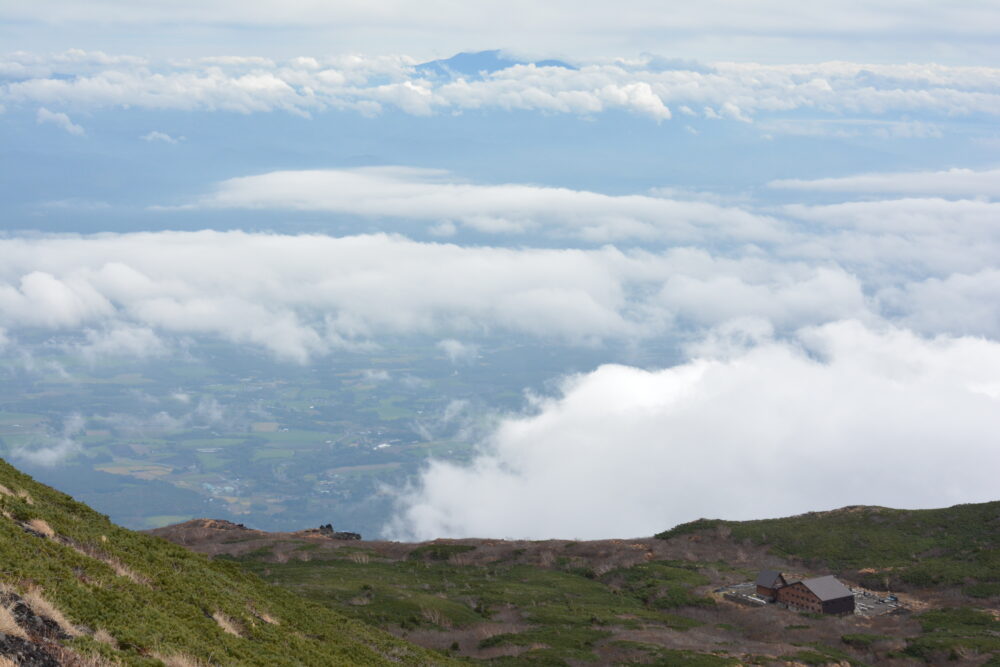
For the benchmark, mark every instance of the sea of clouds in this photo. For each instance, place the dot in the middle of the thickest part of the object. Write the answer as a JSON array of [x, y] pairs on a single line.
[[840, 349], [649, 86], [836, 354]]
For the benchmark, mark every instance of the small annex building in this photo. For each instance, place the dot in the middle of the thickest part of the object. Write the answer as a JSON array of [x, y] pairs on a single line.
[[768, 583], [820, 595]]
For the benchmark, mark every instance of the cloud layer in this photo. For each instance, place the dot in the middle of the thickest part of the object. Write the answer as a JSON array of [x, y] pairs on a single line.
[[925, 263], [950, 182], [841, 414], [60, 120], [648, 86], [438, 197], [299, 296]]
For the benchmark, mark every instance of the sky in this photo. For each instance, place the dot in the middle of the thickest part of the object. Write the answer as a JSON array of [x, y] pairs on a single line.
[[801, 197]]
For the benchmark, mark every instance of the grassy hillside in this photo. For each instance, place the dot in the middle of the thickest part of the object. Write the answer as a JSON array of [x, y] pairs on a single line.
[[541, 615], [952, 547], [653, 601], [74, 583], [950, 556]]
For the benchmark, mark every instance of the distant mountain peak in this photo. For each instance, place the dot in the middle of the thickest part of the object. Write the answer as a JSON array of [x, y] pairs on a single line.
[[474, 64]]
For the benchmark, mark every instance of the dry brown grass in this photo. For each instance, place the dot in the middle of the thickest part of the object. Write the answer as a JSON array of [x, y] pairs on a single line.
[[5, 491], [123, 570], [120, 568], [70, 658], [487, 630], [42, 527], [461, 559], [359, 557], [228, 624], [264, 616], [26, 497], [7, 662], [41, 606], [8, 624], [179, 660], [104, 637], [435, 616]]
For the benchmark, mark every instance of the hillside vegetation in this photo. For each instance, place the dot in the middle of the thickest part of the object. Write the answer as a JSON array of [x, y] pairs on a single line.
[[888, 548], [651, 601], [74, 585], [77, 590]]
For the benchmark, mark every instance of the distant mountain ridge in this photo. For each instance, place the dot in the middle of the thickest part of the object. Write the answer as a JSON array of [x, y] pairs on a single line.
[[473, 64]]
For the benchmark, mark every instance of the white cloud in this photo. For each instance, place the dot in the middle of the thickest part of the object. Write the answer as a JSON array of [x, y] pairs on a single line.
[[60, 120], [457, 351], [926, 263], [856, 247], [41, 299], [302, 295], [950, 182], [961, 302], [852, 128], [56, 449], [156, 135], [372, 375], [184, 412], [122, 340], [843, 414], [703, 299], [299, 296], [840, 97], [75, 204], [909, 261], [435, 196], [913, 238]]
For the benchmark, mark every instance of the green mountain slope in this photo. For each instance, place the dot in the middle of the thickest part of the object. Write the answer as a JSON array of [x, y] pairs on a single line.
[[889, 548], [655, 601], [72, 583]]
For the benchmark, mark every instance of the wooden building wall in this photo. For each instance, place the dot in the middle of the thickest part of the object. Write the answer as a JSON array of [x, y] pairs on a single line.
[[797, 595], [844, 605]]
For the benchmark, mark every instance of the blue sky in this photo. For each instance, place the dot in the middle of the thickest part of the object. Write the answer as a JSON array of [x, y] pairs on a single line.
[[796, 195]]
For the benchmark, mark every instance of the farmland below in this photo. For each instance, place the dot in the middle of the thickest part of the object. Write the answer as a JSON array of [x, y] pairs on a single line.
[[236, 434]]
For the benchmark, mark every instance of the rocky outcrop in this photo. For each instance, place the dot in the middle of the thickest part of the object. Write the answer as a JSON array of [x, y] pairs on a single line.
[[338, 535], [41, 632], [25, 652], [328, 531], [28, 620], [199, 530]]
